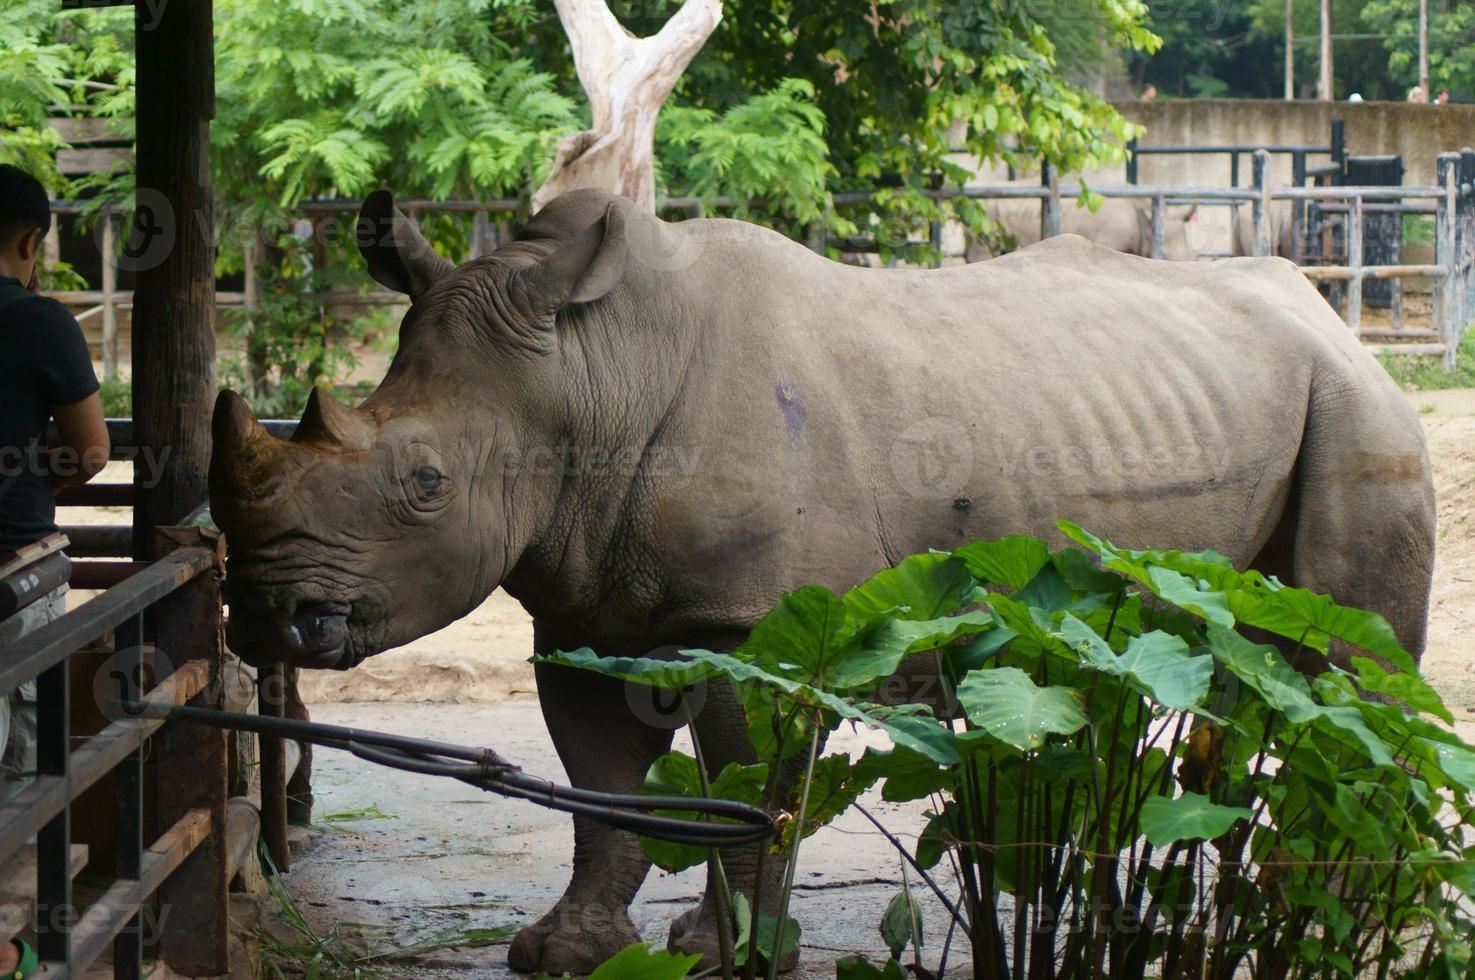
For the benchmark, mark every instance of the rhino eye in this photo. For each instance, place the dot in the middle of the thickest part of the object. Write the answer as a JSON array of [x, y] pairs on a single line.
[[429, 478]]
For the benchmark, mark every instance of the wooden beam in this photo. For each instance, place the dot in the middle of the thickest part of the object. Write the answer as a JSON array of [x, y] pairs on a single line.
[[173, 252]]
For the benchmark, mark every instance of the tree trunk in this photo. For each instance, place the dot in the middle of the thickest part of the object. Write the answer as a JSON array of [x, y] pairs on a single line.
[[1424, 49], [1324, 87], [1290, 80], [627, 80]]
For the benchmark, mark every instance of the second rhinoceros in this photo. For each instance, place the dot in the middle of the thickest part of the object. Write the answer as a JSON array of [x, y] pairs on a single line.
[[648, 432]]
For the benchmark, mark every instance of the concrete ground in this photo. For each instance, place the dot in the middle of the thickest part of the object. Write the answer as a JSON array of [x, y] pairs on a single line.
[[447, 858]]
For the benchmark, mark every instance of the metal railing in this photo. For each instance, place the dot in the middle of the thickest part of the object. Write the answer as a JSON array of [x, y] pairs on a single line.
[[1449, 200]]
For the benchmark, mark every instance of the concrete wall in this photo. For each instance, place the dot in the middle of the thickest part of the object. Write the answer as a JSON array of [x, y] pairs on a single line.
[[1418, 133]]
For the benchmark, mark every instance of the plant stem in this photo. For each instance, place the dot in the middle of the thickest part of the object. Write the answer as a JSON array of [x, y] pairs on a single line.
[[957, 916], [714, 856], [780, 927]]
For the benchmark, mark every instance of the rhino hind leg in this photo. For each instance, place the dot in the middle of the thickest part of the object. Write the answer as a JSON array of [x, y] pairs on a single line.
[[603, 746], [1360, 522]]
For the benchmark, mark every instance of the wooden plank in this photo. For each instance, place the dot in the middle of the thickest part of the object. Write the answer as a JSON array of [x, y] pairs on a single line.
[[191, 766], [43, 798], [55, 641], [1407, 350], [1371, 271], [18, 887], [106, 917]]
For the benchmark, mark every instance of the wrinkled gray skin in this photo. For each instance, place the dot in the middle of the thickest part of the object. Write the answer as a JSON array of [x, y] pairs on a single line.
[[747, 417], [1122, 224]]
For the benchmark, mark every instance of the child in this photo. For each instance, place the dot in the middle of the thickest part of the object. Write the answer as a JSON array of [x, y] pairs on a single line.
[[45, 373]]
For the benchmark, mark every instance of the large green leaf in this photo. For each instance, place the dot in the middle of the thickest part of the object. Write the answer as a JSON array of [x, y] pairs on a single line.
[[1411, 689], [1159, 664], [1191, 816], [1010, 561], [923, 586], [1004, 702], [638, 962], [804, 637], [672, 674], [886, 640], [909, 774], [906, 725]]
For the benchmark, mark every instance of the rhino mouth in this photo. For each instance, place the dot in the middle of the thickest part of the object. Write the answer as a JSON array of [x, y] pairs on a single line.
[[309, 634]]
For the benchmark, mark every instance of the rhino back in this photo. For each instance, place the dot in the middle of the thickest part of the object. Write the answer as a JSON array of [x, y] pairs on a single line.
[[833, 419]]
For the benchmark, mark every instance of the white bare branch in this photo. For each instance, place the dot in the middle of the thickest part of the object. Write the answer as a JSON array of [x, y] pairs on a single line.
[[627, 80]]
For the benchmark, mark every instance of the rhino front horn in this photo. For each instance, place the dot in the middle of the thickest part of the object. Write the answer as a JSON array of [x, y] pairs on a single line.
[[243, 452], [330, 423]]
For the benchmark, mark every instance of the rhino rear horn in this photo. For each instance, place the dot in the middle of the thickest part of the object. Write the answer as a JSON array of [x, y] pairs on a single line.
[[398, 256], [327, 421]]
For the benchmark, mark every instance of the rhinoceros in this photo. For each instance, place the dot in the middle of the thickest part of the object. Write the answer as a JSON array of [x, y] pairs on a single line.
[[647, 432], [1120, 223]]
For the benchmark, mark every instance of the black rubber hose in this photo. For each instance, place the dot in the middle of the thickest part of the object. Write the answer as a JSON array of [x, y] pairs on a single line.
[[485, 769]]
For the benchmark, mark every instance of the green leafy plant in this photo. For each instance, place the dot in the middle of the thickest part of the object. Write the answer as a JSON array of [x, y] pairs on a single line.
[[1122, 782], [292, 341]]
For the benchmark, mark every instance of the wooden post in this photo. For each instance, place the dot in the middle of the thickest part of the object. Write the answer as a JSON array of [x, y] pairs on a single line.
[[173, 239], [1446, 170], [109, 299], [1050, 203], [1465, 215], [1159, 211], [627, 80], [1261, 205], [1424, 49], [190, 768], [271, 688], [1354, 262], [1290, 90]]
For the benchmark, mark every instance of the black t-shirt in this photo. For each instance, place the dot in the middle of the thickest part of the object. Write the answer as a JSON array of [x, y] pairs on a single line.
[[43, 362]]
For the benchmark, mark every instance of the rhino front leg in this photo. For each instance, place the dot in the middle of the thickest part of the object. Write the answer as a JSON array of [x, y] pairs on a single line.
[[603, 746]]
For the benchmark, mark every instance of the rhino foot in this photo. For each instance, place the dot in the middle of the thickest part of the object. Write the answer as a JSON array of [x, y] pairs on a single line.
[[695, 931], [568, 942]]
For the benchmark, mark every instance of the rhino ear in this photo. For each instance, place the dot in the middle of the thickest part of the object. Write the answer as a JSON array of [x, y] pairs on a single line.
[[399, 257], [582, 269]]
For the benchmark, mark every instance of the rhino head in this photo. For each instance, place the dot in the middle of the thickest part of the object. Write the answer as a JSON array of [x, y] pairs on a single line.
[[374, 525]]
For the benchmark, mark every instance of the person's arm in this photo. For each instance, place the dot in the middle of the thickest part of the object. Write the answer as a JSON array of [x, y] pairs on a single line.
[[82, 451]]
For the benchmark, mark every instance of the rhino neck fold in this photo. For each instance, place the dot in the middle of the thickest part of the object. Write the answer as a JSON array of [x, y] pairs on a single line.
[[625, 364]]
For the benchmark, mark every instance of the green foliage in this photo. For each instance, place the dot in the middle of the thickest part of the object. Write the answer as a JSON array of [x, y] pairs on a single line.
[[1451, 42], [292, 342], [1157, 792], [75, 64], [1430, 374]]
